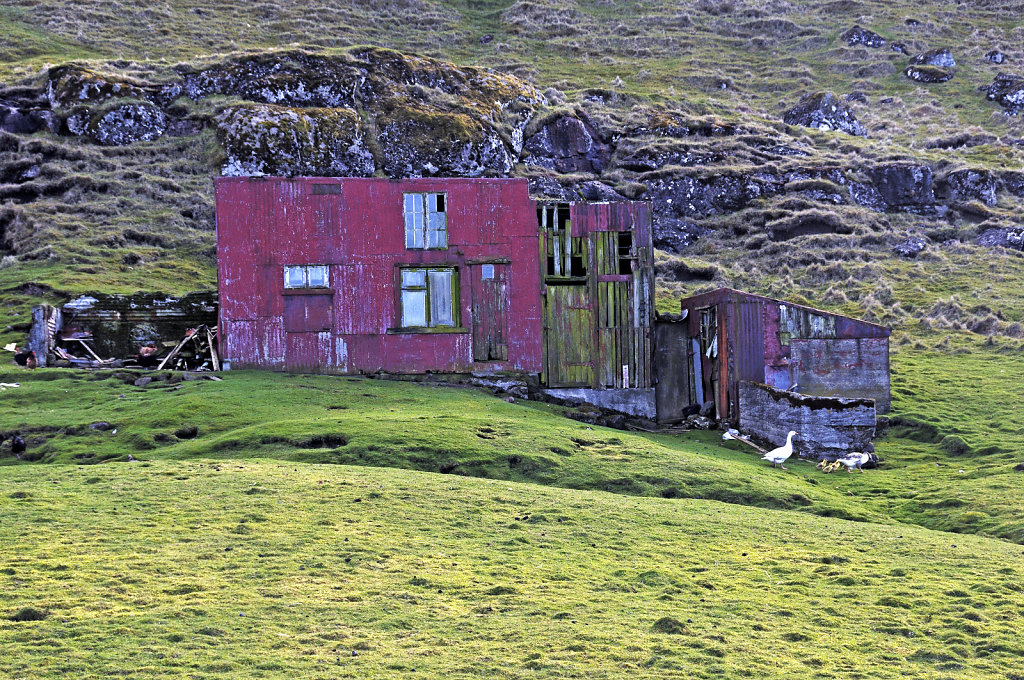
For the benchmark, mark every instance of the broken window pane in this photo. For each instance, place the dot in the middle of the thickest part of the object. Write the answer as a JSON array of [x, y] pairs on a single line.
[[317, 276], [294, 277], [441, 298], [426, 224]]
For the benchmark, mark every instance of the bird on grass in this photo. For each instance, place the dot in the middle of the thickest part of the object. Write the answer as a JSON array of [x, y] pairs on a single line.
[[854, 460], [778, 456]]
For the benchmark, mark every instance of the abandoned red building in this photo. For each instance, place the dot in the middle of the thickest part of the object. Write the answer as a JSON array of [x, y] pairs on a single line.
[[359, 275]]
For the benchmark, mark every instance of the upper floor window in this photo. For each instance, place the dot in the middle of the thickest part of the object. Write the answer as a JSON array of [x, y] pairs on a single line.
[[306, 276], [426, 224]]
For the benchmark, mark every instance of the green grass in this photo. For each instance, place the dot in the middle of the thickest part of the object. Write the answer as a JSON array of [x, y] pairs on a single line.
[[268, 569]]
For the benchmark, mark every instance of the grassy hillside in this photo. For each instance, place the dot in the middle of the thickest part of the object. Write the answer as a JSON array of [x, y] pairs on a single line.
[[267, 569]]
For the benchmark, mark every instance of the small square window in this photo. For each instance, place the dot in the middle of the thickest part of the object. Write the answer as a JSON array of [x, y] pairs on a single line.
[[294, 277], [487, 272], [317, 275], [426, 221]]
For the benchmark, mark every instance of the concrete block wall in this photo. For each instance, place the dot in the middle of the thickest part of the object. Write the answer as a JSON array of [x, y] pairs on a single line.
[[827, 427], [846, 367]]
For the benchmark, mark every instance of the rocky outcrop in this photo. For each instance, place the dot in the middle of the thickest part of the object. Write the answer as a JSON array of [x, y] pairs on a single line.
[[697, 197], [1007, 90], [971, 185], [824, 111], [567, 143], [124, 124], [903, 185], [274, 140], [861, 36]]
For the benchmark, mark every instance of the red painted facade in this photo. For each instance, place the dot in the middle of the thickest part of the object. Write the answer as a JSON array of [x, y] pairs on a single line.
[[356, 228]]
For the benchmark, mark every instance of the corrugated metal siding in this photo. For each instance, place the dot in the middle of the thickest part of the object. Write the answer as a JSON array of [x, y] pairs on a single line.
[[266, 223]]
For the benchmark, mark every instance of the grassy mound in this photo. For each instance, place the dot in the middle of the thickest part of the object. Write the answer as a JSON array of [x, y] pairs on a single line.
[[263, 568]]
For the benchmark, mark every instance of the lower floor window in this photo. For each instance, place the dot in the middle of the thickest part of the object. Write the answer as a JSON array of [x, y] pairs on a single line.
[[428, 297]]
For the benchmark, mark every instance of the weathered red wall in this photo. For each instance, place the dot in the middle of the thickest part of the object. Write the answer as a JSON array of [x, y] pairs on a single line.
[[266, 223]]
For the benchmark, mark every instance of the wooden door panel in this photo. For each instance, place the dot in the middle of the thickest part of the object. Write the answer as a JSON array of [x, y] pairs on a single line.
[[568, 337]]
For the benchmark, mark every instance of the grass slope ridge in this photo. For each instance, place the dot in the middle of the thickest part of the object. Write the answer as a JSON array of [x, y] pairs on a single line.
[[925, 480]]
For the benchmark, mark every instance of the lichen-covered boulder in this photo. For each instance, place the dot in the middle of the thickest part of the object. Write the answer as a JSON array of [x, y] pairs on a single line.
[[928, 74], [903, 185], [567, 143], [824, 111], [27, 121], [971, 185], [70, 85], [1007, 90], [942, 57], [417, 142], [120, 124], [263, 139], [862, 36]]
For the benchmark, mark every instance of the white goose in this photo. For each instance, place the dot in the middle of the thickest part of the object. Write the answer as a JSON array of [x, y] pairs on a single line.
[[778, 456], [854, 460]]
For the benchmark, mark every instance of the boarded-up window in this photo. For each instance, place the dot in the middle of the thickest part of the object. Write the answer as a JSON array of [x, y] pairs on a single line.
[[428, 297], [306, 276], [307, 313], [426, 222]]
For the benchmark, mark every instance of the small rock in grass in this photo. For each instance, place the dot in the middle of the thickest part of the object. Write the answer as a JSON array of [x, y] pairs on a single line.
[[910, 248], [862, 36], [928, 74], [142, 382], [995, 57], [1019, 467], [101, 425], [824, 111], [942, 58]]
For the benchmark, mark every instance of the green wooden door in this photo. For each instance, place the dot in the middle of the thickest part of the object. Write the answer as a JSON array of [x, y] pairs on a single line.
[[568, 337]]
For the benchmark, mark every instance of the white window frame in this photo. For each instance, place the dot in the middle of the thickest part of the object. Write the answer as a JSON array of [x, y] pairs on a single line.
[[308, 273], [426, 226], [427, 291]]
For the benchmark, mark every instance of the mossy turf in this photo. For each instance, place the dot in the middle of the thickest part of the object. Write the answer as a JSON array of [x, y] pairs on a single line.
[[223, 569]]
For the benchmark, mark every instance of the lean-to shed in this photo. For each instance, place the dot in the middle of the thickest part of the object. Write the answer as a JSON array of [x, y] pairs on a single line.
[[736, 337]]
